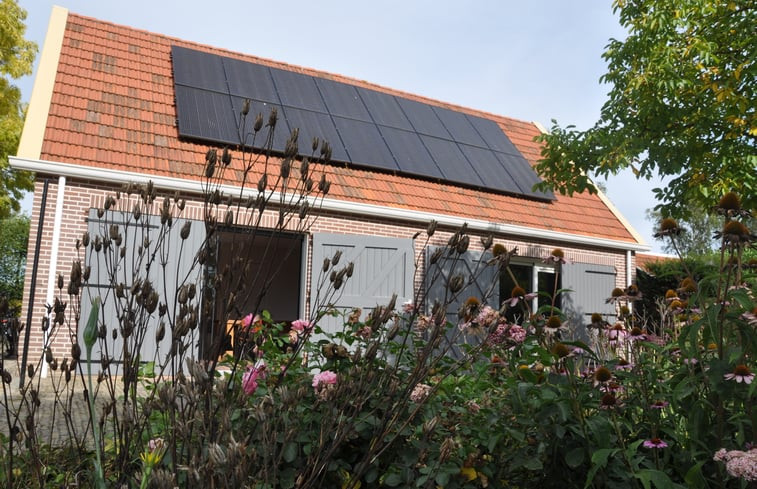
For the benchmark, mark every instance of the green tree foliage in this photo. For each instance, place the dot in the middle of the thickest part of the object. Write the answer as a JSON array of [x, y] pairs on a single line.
[[16, 59], [682, 105], [14, 236]]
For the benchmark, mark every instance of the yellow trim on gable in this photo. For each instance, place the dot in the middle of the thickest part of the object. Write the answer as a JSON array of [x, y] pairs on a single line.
[[30, 145]]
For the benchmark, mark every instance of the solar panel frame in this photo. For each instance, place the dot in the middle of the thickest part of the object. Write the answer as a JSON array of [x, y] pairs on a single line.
[[364, 144]]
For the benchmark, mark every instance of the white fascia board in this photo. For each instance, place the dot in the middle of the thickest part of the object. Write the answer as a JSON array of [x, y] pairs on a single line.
[[370, 210]]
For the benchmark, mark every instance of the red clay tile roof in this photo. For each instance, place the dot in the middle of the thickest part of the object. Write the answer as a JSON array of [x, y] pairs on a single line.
[[113, 107]]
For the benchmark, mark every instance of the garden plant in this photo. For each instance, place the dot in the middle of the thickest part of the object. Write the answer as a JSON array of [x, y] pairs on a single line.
[[404, 395]]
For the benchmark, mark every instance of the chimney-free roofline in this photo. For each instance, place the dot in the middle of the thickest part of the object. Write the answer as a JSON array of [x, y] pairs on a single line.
[[195, 186]]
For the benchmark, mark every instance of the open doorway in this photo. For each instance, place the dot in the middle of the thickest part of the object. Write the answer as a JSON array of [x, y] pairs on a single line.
[[261, 272]]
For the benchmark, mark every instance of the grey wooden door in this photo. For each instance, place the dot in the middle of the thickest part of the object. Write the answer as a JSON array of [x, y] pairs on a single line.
[[172, 263], [382, 267], [590, 286]]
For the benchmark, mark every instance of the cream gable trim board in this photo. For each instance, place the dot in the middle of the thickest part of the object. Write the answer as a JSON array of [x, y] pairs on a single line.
[[606, 201], [195, 186], [30, 145]]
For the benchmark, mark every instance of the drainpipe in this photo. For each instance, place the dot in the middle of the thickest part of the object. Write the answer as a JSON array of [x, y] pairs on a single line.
[[52, 275], [629, 273], [33, 285]]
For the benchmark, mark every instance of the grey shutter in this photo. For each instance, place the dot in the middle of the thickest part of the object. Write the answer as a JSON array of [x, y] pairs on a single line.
[[180, 268], [383, 267], [590, 285], [482, 282], [485, 287]]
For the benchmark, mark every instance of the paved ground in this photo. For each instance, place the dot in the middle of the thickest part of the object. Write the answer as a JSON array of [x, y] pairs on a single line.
[[62, 411]]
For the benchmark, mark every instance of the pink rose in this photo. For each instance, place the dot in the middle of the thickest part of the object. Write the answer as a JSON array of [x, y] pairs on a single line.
[[251, 376], [325, 378], [302, 325]]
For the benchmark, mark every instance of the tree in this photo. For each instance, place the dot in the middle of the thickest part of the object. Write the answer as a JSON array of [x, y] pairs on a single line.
[[14, 237], [16, 59], [682, 104]]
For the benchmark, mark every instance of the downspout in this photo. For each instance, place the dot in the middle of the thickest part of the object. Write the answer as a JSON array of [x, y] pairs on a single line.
[[52, 276], [629, 276], [33, 284]]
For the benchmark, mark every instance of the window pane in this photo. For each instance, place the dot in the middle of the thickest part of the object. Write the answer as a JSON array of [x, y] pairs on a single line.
[[547, 285], [522, 274]]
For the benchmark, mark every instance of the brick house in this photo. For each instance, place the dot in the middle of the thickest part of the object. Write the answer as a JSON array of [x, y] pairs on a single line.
[[113, 105]]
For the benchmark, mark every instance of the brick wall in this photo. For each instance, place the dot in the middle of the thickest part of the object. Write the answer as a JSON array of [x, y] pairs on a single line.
[[81, 195]]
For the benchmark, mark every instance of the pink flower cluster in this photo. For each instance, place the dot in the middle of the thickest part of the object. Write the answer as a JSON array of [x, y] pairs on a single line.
[[517, 333], [739, 464], [324, 379], [251, 376]]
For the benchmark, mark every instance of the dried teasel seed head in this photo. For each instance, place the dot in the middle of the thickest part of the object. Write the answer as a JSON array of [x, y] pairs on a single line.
[[431, 228], [185, 229], [487, 241], [456, 283], [246, 106], [337, 256], [258, 122], [314, 144], [226, 156], [462, 244], [273, 116]]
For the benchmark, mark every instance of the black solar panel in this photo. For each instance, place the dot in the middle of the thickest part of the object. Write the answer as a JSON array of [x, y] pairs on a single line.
[[297, 90], [197, 69], [489, 168], [423, 118], [364, 144], [246, 78], [461, 130], [384, 109], [315, 124], [364, 127], [205, 115], [492, 134], [342, 100], [451, 161], [410, 153], [280, 135]]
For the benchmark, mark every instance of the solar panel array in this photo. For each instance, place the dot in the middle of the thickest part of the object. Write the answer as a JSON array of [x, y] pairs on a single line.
[[365, 127]]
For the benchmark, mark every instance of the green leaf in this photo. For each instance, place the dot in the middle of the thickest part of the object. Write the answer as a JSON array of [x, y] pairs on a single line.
[[656, 477], [575, 457], [392, 480], [533, 463], [290, 452]]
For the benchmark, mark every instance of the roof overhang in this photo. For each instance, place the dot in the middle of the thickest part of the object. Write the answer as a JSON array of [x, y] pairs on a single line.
[[195, 187]]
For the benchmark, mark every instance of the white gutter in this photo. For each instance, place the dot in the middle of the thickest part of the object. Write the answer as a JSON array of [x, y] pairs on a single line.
[[193, 186], [52, 277]]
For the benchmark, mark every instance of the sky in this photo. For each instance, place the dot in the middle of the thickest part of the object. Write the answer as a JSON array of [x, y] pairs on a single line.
[[536, 60]]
